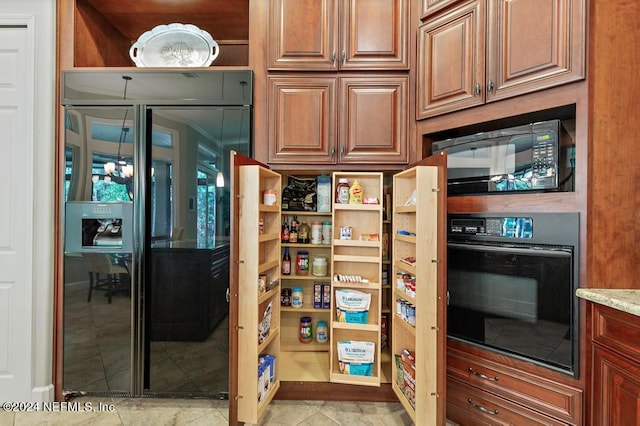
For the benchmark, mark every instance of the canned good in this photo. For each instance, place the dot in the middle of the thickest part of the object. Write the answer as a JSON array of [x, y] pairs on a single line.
[[316, 232], [400, 276], [411, 314], [269, 197], [326, 233], [345, 233]]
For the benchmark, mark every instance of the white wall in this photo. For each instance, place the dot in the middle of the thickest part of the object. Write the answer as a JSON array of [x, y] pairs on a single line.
[[26, 199]]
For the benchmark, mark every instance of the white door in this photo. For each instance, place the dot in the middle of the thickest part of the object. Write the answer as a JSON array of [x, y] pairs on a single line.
[[16, 213]]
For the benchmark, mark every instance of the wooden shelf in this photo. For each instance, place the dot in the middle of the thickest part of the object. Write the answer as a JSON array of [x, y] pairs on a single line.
[[266, 266], [405, 267], [273, 333], [269, 294], [355, 380], [357, 327], [355, 258], [405, 209], [306, 245], [355, 286], [265, 402], [294, 345], [363, 207], [268, 237], [405, 296], [305, 213], [403, 400], [402, 323], [269, 209], [304, 366], [356, 243], [294, 277], [305, 308], [406, 238]]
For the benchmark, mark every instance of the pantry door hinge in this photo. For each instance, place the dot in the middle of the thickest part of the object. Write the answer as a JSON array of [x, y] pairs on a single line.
[[239, 196], [435, 189], [239, 327]]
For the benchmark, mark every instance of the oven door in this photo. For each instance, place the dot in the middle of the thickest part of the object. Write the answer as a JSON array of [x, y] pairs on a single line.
[[515, 299]]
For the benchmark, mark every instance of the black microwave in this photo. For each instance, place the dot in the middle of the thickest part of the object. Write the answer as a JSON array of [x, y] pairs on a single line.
[[530, 157]]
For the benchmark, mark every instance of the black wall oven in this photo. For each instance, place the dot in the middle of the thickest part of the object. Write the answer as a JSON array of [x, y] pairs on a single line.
[[511, 285]]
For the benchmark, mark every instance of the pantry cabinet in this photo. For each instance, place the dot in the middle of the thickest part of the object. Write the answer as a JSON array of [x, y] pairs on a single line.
[[616, 366], [308, 361], [330, 35], [356, 258], [259, 305], [305, 126], [487, 50], [419, 292]]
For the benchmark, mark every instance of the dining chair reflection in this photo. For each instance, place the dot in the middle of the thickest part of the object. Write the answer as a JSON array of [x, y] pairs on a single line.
[[105, 275]]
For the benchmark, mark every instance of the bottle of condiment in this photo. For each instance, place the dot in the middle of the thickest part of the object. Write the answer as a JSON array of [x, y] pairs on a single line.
[[342, 191], [326, 233], [355, 193], [284, 236], [305, 333], [316, 232], [321, 332], [286, 262], [293, 230], [304, 233]]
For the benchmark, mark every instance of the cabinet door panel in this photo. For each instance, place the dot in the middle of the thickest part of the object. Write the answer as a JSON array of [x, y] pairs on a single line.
[[533, 45], [429, 7], [616, 389], [302, 120], [303, 34], [374, 34], [451, 61], [374, 127]]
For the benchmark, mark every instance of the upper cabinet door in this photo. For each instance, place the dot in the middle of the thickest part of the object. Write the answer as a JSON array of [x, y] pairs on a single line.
[[374, 34], [325, 35], [451, 55], [302, 119], [303, 34], [533, 45], [373, 127]]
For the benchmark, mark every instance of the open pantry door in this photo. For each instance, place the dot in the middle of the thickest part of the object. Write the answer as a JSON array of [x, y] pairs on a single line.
[[418, 328], [254, 310]]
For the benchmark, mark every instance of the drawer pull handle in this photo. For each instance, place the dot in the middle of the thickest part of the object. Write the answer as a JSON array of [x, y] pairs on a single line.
[[483, 376], [481, 408]]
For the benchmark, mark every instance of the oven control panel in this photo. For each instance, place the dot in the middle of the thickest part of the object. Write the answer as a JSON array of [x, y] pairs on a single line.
[[505, 227]]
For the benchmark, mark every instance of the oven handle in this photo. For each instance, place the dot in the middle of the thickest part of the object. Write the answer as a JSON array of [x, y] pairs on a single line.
[[512, 250]]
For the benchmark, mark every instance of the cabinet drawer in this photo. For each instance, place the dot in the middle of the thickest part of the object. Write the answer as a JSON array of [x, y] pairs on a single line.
[[555, 399], [468, 405], [616, 330]]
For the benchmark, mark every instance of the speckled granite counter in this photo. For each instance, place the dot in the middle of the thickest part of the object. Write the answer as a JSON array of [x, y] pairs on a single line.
[[624, 300]]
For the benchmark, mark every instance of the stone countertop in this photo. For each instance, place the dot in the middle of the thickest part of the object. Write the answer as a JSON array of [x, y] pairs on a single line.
[[625, 300]]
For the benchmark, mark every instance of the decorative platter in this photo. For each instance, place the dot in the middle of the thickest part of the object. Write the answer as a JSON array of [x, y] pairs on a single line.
[[174, 45]]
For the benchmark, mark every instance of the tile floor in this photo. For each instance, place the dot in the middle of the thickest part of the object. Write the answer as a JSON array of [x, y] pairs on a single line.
[[194, 412]]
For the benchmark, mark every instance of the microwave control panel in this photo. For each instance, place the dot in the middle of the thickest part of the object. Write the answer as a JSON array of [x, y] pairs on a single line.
[[504, 227]]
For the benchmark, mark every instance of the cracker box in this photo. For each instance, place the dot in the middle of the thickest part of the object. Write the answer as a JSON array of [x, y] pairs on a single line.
[[326, 296], [317, 295]]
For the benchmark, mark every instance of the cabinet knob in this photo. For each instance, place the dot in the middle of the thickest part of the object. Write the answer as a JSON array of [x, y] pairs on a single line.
[[333, 151], [342, 151], [344, 56], [333, 57], [490, 87], [478, 89]]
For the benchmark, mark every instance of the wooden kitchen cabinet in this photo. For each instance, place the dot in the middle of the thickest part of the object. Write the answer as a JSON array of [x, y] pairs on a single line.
[[329, 35], [616, 367], [506, 385], [260, 253], [305, 127], [487, 50]]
